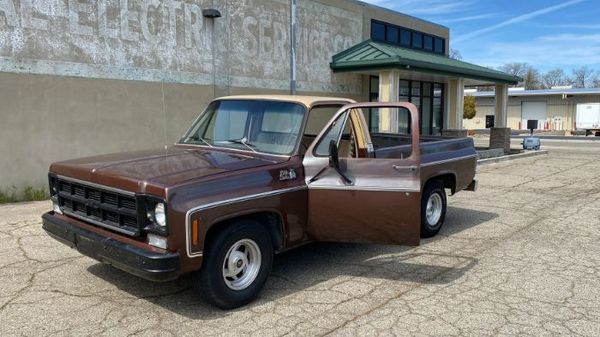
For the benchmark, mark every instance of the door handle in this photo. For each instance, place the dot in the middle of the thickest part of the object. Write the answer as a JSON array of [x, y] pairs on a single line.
[[404, 168]]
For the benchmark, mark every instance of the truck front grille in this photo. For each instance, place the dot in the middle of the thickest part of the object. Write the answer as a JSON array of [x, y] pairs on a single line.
[[100, 206]]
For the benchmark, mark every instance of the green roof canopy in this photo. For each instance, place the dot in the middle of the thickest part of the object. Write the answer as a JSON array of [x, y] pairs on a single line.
[[370, 55]]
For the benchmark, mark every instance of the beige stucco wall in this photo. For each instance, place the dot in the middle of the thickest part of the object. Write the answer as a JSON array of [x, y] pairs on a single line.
[[79, 78], [556, 106]]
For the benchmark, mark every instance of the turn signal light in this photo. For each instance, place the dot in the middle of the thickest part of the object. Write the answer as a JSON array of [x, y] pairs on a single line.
[[195, 232]]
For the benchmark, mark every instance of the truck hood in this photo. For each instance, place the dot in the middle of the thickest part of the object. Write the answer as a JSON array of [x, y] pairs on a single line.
[[141, 171]]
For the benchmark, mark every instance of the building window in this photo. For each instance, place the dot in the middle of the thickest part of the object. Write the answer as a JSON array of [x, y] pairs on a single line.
[[391, 34], [405, 38], [387, 32], [426, 96], [437, 109], [377, 31], [373, 89], [438, 45], [417, 40], [428, 43]]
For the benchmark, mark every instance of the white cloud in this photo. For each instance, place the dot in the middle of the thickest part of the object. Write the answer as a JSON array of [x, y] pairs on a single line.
[[517, 19], [576, 26], [546, 52], [424, 7], [471, 18]]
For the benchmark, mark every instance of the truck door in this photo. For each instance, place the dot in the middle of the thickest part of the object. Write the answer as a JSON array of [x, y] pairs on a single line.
[[373, 194]]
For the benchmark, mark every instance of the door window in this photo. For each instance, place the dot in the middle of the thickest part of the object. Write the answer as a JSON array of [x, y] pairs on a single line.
[[334, 133], [392, 136]]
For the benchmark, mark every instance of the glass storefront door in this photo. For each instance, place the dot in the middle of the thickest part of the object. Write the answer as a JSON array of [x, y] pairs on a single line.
[[426, 96]]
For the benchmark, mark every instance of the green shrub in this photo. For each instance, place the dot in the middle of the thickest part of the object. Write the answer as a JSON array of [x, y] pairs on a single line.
[[29, 193], [35, 194]]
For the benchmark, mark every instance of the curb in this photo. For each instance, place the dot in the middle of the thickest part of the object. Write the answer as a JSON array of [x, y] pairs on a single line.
[[511, 157]]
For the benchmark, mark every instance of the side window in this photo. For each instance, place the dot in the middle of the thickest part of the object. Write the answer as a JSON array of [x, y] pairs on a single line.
[[318, 117], [334, 133], [390, 131]]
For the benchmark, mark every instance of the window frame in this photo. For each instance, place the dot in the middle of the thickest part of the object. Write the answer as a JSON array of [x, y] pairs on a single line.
[[411, 32]]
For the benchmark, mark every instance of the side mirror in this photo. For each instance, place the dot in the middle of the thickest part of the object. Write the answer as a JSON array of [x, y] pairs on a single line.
[[334, 161], [334, 158]]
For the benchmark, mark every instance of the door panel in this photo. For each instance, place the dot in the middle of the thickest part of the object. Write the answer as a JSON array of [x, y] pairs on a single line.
[[381, 204]]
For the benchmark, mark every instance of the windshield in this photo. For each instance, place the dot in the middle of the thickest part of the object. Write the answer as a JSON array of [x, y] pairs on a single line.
[[252, 125]]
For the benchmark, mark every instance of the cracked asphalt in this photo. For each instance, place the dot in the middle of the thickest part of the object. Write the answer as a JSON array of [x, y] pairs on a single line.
[[519, 257]]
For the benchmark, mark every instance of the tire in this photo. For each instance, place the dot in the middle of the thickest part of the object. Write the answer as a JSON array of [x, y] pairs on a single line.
[[431, 225], [254, 244]]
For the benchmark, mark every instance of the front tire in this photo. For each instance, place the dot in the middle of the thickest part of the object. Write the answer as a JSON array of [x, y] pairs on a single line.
[[235, 265], [433, 209]]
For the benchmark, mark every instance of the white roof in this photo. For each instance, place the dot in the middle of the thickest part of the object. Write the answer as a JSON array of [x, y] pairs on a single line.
[[545, 92]]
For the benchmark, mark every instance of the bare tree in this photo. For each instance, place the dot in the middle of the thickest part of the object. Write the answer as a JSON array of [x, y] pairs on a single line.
[[596, 80], [582, 77], [554, 78], [515, 68], [455, 54], [531, 79]]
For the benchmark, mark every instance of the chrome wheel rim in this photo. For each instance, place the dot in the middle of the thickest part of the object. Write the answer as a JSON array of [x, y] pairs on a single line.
[[433, 211], [242, 264]]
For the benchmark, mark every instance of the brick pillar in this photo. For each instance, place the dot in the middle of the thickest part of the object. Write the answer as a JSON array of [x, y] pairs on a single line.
[[500, 139]]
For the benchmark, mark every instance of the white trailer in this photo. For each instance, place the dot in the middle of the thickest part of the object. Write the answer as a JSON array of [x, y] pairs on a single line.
[[588, 118]]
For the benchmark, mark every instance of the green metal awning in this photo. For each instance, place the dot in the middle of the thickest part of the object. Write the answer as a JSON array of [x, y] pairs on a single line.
[[370, 55]]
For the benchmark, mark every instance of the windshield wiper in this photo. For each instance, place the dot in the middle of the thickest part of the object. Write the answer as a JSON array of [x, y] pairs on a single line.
[[243, 141], [198, 138]]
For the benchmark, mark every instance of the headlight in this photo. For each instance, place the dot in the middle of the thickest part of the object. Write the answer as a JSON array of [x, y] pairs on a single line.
[[160, 217]]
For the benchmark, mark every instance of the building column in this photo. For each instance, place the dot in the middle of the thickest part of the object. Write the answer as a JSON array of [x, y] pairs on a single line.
[[500, 133], [454, 109], [389, 91]]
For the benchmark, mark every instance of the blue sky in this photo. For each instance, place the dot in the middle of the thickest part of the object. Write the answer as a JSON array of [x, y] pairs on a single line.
[[547, 34]]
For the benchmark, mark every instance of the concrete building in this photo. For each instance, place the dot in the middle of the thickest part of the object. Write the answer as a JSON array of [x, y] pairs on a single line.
[[79, 78], [555, 109]]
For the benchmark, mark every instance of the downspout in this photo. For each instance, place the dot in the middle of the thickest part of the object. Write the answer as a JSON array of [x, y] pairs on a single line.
[[293, 25]]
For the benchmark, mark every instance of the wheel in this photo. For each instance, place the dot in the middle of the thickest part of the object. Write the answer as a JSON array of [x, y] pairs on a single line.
[[235, 265], [433, 209], [537, 148]]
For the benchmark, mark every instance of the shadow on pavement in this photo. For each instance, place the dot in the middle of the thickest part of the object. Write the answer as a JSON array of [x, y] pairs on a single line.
[[312, 265], [459, 219]]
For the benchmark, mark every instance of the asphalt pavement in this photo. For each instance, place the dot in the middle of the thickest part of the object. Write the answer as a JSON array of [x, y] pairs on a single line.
[[521, 256]]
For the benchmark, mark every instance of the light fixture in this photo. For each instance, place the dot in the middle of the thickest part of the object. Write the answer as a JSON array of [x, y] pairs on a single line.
[[211, 13]]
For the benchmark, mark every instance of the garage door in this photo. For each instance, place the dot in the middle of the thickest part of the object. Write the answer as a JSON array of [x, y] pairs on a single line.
[[533, 110]]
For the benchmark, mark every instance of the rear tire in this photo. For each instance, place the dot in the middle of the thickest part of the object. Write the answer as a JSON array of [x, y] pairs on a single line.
[[433, 208], [235, 265]]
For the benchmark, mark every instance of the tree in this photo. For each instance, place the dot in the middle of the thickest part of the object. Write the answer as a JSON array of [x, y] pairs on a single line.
[[553, 78], [469, 110], [531, 79], [515, 68], [596, 80], [582, 77], [455, 54]]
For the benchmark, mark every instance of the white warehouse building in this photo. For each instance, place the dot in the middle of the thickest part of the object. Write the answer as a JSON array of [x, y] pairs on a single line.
[[555, 109]]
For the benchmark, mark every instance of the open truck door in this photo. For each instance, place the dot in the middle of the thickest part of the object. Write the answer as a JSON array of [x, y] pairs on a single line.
[[356, 196]]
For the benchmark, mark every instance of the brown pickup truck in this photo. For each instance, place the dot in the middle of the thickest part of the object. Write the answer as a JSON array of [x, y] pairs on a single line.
[[254, 176]]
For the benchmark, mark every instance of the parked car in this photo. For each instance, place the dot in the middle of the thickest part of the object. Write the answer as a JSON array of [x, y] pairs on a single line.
[[255, 176]]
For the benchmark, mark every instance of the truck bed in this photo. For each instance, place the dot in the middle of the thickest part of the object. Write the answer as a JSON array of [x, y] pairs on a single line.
[[438, 155], [432, 147]]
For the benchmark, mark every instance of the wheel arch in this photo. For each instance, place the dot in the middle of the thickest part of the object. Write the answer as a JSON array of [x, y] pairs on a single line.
[[272, 220], [448, 179]]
